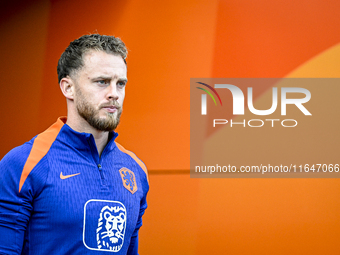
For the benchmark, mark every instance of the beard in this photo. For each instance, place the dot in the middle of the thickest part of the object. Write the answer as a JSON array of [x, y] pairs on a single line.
[[91, 115]]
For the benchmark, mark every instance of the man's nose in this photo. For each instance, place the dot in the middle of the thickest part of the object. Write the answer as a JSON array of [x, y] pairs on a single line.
[[112, 92]]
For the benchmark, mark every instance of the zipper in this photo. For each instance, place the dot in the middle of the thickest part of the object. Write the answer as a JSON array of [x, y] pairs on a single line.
[[102, 177], [101, 171], [98, 159]]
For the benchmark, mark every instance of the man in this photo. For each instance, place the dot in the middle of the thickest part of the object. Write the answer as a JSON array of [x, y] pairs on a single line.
[[72, 189]]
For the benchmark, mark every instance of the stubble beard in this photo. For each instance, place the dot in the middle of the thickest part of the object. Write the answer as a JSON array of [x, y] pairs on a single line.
[[91, 115]]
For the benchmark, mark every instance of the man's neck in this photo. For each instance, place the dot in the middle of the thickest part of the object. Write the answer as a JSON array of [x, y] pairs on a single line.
[[101, 138], [82, 126]]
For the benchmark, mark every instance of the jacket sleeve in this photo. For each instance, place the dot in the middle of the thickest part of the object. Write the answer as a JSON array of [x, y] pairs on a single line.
[[133, 248], [15, 207]]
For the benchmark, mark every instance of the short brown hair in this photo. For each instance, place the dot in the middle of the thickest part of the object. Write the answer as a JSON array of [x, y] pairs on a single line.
[[72, 57]]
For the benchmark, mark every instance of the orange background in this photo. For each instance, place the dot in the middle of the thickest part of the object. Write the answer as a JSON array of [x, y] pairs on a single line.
[[171, 42]]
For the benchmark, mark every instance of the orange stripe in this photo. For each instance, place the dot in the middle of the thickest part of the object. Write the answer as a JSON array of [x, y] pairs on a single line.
[[41, 146], [140, 163]]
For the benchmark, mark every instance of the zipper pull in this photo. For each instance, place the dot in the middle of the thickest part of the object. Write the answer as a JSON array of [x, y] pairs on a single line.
[[100, 171]]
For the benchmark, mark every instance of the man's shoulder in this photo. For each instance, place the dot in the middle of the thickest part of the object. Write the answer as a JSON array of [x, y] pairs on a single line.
[[131, 155], [21, 160], [41, 143], [19, 154], [27, 161], [13, 163], [134, 158]]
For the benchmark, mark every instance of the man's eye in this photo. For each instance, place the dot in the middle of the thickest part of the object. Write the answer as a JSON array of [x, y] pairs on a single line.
[[121, 84], [102, 82]]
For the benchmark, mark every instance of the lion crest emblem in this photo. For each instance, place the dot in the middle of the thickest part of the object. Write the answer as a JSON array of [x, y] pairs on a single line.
[[111, 228], [129, 179]]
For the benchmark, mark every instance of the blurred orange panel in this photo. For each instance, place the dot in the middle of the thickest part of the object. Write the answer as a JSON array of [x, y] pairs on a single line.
[[23, 43]]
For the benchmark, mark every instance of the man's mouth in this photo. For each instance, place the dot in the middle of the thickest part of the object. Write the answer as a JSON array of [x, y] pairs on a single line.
[[111, 109]]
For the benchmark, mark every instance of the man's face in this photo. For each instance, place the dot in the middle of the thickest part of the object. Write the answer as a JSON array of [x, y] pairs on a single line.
[[100, 89]]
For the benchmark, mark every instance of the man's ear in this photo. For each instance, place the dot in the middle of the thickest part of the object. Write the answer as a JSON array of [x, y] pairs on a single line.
[[67, 87]]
